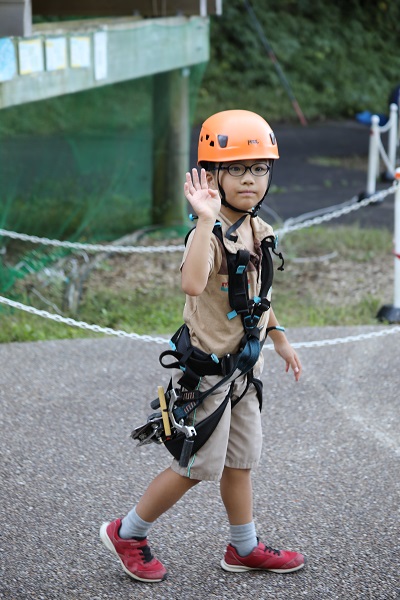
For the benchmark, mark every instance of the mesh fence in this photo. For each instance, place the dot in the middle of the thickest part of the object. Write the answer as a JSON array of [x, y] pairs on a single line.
[[77, 167]]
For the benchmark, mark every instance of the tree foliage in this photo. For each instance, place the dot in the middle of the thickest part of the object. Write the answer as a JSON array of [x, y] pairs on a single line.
[[339, 58]]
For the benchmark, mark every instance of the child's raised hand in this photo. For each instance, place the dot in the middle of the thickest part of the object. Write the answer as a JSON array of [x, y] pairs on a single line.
[[204, 200]]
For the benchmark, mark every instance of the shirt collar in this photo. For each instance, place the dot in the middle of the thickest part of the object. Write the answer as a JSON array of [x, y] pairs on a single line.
[[261, 230]]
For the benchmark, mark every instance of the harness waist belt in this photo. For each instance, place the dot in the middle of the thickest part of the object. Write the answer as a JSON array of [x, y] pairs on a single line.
[[209, 367]]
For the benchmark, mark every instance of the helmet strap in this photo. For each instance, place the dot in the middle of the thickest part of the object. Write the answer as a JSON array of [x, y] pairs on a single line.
[[224, 201], [229, 234], [258, 206]]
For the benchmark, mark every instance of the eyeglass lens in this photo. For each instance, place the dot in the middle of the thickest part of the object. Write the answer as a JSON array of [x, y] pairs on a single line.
[[257, 169]]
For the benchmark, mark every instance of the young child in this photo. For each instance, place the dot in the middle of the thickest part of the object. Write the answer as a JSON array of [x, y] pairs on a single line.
[[237, 150]]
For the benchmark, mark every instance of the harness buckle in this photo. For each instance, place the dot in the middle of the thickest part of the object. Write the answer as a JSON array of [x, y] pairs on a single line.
[[250, 321], [227, 364]]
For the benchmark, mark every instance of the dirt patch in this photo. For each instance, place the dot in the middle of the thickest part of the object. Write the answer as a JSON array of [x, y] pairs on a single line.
[[342, 280], [141, 272], [335, 279]]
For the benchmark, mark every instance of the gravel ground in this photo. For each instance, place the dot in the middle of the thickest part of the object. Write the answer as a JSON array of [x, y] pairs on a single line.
[[328, 484]]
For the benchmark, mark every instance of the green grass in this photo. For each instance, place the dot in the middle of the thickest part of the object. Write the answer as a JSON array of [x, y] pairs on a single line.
[[135, 312], [359, 244], [296, 301], [310, 311]]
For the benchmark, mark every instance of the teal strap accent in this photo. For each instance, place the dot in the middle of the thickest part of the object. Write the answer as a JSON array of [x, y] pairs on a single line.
[[172, 345], [279, 328], [214, 358], [249, 355], [240, 269], [231, 315], [257, 299], [193, 217]]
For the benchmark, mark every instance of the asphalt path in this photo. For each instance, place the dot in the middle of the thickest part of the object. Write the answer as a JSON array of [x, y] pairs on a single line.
[[325, 164], [328, 484]]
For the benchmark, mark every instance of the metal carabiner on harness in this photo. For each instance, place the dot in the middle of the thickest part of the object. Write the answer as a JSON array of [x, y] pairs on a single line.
[[188, 430], [162, 426]]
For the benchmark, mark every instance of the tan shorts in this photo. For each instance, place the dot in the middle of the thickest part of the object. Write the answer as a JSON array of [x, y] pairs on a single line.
[[236, 442]]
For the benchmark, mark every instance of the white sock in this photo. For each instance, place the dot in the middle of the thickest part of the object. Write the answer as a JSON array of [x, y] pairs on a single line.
[[244, 538], [133, 526]]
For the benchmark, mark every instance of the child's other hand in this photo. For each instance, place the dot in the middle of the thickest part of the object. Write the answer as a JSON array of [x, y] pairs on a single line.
[[289, 355], [204, 200]]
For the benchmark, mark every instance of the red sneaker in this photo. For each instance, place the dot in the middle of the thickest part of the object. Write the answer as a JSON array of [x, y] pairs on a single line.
[[135, 555], [262, 558]]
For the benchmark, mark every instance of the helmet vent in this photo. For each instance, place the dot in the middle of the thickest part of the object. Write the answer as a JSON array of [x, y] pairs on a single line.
[[223, 141], [273, 138], [212, 143], [207, 136]]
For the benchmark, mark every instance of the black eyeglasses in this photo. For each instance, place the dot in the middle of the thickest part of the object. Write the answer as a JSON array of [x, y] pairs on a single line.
[[259, 169]]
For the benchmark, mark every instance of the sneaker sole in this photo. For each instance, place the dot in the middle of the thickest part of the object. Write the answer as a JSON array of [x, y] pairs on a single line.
[[108, 544], [243, 569]]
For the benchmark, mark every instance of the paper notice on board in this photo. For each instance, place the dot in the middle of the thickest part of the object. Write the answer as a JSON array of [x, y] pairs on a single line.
[[56, 53], [100, 55], [8, 61], [30, 53], [80, 51]]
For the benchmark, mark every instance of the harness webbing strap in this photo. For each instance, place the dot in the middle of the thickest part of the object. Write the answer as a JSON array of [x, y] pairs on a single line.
[[238, 284], [194, 363]]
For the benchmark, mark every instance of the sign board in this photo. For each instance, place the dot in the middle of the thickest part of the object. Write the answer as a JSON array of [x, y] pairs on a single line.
[[80, 51], [30, 53], [56, 53], [8, 62], [100, 55]]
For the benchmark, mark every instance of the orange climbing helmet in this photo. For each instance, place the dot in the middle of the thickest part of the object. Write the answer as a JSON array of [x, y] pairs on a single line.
[[236, 135]]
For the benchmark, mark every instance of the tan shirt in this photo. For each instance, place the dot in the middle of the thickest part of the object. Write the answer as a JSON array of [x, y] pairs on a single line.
[[206, 314]]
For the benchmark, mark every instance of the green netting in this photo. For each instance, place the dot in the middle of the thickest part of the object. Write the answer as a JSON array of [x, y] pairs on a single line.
[[77, 167]]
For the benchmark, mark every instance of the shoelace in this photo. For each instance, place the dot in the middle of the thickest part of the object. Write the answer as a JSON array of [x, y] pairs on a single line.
[[273, 550], [147, 555]]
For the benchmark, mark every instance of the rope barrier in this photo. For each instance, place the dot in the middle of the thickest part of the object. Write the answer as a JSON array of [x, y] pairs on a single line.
[[346, 209], [89, 247], [80, 324], [377, 197], [159, 340]]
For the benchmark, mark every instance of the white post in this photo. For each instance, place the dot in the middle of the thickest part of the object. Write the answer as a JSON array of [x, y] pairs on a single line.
[[373, 156], [391, 312], [396, 299], [218, 7], [392, 138], [203, 8]]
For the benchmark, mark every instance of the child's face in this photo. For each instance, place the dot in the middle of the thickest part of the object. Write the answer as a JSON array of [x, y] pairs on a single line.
[[243, 190]]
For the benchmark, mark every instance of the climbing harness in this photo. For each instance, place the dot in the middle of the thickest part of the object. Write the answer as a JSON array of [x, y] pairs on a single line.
[[172, 424]]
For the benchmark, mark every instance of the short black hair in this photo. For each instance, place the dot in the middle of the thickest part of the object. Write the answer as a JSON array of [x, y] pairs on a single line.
[[212, 166], [208, 165]]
